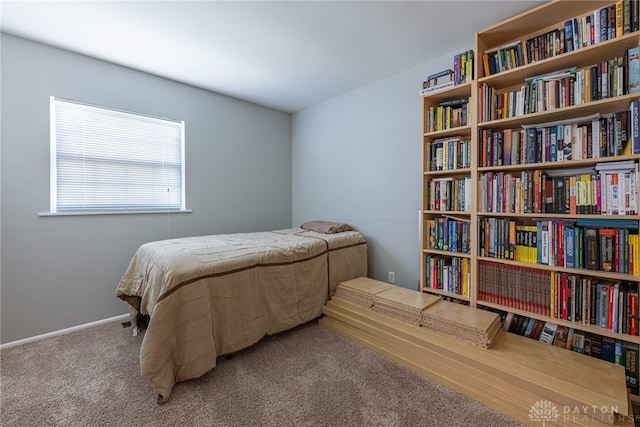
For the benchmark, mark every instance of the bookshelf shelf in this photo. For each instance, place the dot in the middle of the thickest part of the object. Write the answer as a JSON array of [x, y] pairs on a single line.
[[460, 130], [579, 271], [448, 294], [607, 104], [458, 91], [450, 172], [603, 106], [555, 216], [447, 253], [565, 164], [447, 213]]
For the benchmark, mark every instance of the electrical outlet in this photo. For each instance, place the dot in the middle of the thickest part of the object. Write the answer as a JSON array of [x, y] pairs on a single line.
[[392, 277]]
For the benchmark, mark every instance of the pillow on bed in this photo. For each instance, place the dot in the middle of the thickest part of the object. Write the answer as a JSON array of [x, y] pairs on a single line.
[[326, 227]]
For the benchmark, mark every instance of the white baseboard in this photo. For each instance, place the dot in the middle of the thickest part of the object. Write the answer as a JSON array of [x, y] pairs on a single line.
[[123, 317]]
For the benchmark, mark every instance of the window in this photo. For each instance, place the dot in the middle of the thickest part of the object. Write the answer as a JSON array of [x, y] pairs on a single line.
[[104, 160]]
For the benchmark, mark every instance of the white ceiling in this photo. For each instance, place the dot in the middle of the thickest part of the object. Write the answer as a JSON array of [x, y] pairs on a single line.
[[283, 54]]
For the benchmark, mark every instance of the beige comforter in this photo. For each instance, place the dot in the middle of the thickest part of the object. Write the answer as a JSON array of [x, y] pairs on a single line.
[[212, 295]]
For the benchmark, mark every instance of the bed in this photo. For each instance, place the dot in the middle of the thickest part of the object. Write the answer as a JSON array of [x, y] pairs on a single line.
[[202, 297]]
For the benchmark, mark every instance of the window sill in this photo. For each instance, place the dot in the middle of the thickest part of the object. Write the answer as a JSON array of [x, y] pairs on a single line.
[[90, 213]]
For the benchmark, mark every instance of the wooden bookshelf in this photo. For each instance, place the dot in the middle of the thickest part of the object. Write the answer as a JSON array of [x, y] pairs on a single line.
[[527, 26], [457, 173]]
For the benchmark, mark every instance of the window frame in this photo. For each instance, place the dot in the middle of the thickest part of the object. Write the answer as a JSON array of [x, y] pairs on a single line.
[[53, 156]]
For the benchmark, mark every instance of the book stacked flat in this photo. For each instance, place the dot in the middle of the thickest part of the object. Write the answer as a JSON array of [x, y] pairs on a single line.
[[471, 325], [403, 304], [361, 291], [475, 326]]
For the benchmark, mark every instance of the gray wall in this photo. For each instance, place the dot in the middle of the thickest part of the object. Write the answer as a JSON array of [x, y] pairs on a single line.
[[357, 158], [59, 272]]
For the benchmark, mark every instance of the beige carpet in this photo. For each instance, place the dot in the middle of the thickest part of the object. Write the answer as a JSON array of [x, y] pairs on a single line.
[[304, 377]]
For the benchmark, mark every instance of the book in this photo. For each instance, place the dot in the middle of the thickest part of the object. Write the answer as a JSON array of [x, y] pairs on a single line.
[[516, 323], [568, 36], [592, 249], [634, 69], [440, 77], [433, 89], [626, 16], [607, 248], [608, 349], [630, 310], [561, 336], [570, 253], [620, 131], [618, 353], [530, 328], [634, 127], [524, 326], [630, 357], [537, 330], [570, 335], [596, 346], [548, 333], [604, 24], [619, 19], [602, 309], [587, 344], [578, 342]]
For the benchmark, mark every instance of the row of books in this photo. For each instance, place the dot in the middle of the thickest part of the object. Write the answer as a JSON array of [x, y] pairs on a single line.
[[448, 273], [611, 305], [563, 88], [448, 234], [600, 135], [449, 153], [512, 286], [563, 243], [449, 114], [449, 194], [608, 304], [603, 24], [607, 191], [462, 72], [601, 347]]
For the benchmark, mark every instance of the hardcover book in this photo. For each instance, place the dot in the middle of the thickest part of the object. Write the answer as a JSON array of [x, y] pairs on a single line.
[[596, 346], [592, 250], [608, 349], [607, 238], [630, 357]]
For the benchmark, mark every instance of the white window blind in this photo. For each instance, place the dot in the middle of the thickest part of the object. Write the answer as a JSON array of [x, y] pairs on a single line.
[[108, 160]]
